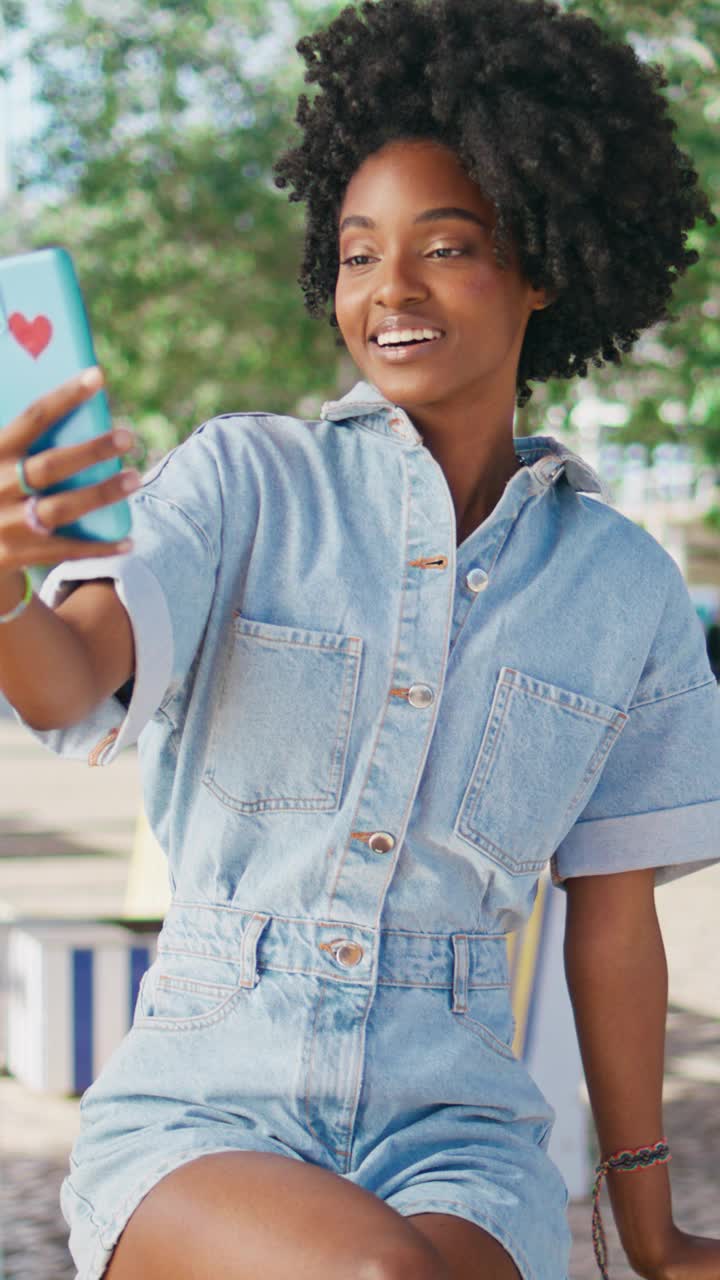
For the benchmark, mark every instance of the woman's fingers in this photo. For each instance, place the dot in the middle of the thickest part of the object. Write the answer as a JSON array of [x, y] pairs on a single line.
[[52, 466], [18, 435], [46, 469], [28, 524], [54, 551], [27, 528], [67, 506]]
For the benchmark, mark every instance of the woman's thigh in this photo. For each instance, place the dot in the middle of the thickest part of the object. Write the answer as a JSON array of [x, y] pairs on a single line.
[[246, 1215], [467, 1251]]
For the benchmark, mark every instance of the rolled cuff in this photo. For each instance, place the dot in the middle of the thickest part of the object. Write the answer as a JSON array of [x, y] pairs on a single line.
[[674, 841], [110, 726]]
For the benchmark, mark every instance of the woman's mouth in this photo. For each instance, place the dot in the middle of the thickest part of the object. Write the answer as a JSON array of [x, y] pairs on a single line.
[[405, 346]]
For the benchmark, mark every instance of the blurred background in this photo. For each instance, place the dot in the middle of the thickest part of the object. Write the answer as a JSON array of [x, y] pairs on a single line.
[[140, 134]]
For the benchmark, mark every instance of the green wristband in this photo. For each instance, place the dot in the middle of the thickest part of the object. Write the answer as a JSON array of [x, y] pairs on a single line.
[[22, 606]]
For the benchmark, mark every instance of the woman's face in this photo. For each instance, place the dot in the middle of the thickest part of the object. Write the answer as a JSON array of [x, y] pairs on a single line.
[[415, 242]]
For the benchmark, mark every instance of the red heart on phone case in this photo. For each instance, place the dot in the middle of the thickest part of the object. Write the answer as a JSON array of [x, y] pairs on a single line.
[[33, 335]]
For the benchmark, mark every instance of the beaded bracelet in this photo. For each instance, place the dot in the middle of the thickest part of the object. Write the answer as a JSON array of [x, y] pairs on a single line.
[[623, 1162], [23, 604]]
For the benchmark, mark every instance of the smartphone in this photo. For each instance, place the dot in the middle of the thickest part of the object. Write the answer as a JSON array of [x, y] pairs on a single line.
[[45, 339]]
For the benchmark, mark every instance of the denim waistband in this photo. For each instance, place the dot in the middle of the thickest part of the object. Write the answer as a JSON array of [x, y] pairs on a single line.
[[335, 950]]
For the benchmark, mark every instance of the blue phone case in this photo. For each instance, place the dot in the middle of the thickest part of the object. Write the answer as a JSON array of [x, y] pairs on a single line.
[[44, 340]]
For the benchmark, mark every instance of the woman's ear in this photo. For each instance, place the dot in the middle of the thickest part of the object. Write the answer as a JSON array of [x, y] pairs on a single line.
[[543, 298]]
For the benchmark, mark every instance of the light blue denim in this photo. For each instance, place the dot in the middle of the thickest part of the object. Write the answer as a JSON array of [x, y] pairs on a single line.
[[360, 745]]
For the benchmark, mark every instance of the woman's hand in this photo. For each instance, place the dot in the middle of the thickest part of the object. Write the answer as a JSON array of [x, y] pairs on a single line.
[[21, 545], [684, 1257]]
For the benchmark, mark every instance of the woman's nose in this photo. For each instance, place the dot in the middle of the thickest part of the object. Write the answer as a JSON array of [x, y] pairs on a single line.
[[399, 283]]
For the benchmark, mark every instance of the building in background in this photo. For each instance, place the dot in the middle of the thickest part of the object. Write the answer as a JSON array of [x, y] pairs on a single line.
[[667, 489], [678, 502]]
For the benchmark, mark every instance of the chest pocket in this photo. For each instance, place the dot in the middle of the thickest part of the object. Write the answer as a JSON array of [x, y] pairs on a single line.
[[282, 718], [541, 751]]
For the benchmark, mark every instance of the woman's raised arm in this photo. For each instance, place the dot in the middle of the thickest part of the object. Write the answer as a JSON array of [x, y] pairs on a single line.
[[55, 666]]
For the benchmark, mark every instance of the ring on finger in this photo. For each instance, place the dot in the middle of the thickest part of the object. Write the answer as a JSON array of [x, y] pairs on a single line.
[[32, 519], [25, 487]]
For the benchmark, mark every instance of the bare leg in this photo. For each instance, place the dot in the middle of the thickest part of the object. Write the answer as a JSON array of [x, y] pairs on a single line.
[[468, 1252], [260, 1216]]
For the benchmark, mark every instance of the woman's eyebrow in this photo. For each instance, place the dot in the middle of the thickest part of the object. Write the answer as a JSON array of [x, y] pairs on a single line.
[[430, 215]]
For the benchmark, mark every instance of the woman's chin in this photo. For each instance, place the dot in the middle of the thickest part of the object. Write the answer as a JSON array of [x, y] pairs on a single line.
[[396, 381]]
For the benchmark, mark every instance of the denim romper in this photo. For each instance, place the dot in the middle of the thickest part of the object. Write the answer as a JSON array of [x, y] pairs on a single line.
[[360, 745]]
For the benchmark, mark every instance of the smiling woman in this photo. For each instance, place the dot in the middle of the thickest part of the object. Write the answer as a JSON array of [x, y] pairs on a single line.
[[384, 667], [565, 132], [429, 315], [535, 220]]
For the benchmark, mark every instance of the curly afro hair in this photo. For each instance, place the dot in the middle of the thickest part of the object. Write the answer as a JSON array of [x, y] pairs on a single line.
[[564, 129]]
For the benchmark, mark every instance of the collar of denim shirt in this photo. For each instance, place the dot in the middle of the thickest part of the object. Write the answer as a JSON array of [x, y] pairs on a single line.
[[545, 456]]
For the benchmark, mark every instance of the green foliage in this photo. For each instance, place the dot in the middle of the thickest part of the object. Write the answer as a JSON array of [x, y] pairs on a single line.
[[163, 118], [154, 169], [669, 383], [712, 519]]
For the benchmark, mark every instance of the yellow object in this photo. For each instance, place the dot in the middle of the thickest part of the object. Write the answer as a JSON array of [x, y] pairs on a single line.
[[523, 955], [147, 896]]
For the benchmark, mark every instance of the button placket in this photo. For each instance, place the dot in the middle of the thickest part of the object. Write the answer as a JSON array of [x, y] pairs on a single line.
[[359, 879]]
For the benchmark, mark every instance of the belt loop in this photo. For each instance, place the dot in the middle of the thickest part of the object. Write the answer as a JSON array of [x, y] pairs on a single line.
[[249, 976], [460, 972]]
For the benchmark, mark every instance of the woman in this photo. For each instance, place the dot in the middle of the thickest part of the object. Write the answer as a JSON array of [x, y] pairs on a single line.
[[383, 666]]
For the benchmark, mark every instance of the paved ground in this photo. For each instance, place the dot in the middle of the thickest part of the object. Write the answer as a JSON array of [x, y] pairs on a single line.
[[65, 838]]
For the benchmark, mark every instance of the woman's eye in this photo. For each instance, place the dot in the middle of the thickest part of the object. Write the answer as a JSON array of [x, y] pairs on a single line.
[[365, 257]]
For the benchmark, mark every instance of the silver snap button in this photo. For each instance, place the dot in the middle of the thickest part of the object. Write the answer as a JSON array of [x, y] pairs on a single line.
[[420, 695], [381, 842], [348, 954], [477, 579]]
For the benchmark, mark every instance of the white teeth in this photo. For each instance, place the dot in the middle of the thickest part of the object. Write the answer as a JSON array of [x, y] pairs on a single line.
[[398, 336]]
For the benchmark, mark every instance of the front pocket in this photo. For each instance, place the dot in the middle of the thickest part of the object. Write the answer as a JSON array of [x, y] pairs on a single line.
[[541, 751], [186, 991], [488, 1016], [283, 717]]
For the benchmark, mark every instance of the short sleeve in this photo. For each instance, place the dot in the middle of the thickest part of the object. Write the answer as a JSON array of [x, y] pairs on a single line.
[[165, 583], [657, 800]]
